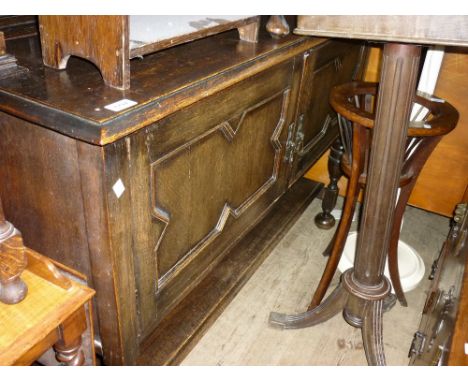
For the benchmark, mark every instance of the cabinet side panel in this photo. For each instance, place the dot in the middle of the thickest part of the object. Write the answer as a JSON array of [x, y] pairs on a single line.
[[118, 199], [91, 161], [41, 191]]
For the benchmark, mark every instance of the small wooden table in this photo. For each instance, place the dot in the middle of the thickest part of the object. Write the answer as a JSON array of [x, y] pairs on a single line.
[[361, 293], [54, 313]]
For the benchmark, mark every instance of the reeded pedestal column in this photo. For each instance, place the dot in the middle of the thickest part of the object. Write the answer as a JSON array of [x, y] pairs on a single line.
[[363, 288]]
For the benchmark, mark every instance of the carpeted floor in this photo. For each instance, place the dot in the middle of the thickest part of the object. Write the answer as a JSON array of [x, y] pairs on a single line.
[[285, 282]]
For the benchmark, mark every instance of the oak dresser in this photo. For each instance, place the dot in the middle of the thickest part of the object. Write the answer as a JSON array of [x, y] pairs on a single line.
[[146, 190]]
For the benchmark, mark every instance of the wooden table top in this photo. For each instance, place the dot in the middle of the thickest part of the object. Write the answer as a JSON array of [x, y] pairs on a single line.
[[432, 30], [46, 305]]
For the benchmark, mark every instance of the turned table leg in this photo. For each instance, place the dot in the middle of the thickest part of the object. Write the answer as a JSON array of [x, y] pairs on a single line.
[[68, 347], [325, 219]]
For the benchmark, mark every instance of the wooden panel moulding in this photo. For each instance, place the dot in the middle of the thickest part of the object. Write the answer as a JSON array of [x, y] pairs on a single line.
[[220, 178], [204, 183]]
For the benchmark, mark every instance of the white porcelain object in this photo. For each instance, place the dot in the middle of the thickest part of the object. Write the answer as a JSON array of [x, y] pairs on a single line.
[[410, 264]]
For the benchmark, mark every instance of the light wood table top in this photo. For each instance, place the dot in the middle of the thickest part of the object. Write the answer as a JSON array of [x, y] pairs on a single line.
[[45, 307]]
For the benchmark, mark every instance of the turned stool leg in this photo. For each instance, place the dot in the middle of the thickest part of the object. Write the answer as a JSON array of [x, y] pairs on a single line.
[[325, 219]]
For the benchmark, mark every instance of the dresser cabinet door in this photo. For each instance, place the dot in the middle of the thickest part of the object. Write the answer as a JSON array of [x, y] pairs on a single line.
[[330, 64], [199, 179]]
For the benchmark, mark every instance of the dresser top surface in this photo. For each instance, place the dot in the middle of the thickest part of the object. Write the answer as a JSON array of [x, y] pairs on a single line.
[[76, 102]]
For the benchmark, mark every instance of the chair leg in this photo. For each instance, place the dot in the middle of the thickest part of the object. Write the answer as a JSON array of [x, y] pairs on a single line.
[[393, 244], [339, 240], [327, 252], [325, 219], [415, 165]]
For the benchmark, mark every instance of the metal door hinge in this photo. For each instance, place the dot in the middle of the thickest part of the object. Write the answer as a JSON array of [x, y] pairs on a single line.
[[338, 64], [294, 141], [290, 144], [417, 345], [299, 134]]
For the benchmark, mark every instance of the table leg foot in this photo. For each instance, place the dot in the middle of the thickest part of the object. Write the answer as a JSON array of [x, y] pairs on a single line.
[[372, 333], [333, 305]]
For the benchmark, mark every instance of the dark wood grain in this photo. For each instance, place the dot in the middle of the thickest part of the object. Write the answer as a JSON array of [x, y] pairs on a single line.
[[180, 331], [103, 40], [204, 188], [18, 27], [40, 182], [101, 257], [200, 159], [72, 101]]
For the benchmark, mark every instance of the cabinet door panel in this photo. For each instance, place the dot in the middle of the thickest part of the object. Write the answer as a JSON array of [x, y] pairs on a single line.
[[316, 124], [214, 178], [200, 179]]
